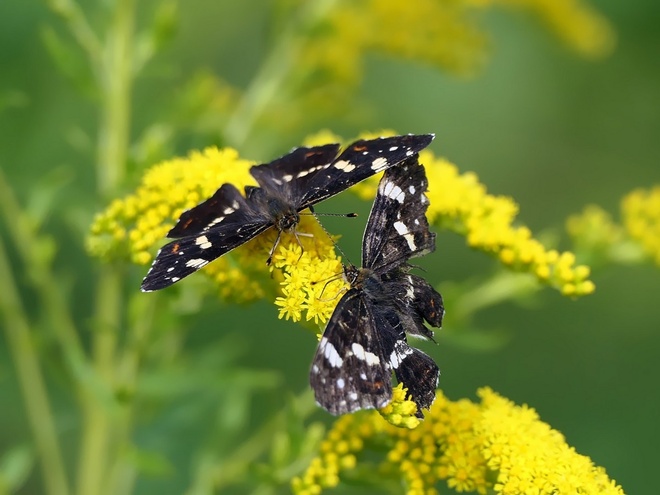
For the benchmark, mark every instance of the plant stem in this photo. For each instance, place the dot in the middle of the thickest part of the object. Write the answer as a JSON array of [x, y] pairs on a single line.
[[31, 381], [98, 451], [272, 75]]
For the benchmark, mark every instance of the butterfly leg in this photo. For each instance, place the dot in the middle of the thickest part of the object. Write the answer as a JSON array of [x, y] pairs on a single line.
[[272, 250]]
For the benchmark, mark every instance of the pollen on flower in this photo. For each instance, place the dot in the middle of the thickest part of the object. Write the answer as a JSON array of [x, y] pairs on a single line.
[[312, 274], [401, 410], [492, 446]]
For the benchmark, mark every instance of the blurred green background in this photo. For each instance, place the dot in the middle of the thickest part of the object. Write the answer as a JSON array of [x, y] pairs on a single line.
[[540, 124]]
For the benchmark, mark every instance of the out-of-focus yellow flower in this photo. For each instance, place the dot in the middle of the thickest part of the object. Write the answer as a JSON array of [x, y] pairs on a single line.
[[593, 229], [443, 34], [641, 217], [494, 445], [575, 22], [460, 203]]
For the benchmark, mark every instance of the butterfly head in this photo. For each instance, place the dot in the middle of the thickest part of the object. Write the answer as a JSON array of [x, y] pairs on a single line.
[[285, 217]]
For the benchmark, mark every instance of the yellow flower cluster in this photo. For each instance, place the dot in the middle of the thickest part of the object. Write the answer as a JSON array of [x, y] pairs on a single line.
[[446, 34], [514, 436], [575, 22], [401, 410], [593, 229], [133, 227], [641, 217], [492, 446], [460, 203], [312, 274]]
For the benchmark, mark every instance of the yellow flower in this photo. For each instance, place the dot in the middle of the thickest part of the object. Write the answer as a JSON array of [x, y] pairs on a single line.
[[475, 447], [401, 410], [447, 35], [459, 202], [641, 218]]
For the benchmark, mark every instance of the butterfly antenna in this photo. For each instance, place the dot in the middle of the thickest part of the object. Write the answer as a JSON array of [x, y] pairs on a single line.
[[316, 215]]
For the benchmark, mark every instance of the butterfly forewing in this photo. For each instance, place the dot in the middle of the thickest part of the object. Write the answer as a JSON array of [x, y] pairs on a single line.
[[361, 160], [184, 256], [397, 228], [226, 206], [290, 174], [287, 185]]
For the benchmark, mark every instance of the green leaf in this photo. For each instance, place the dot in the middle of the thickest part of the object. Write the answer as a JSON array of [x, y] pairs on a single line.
[[15, 467]]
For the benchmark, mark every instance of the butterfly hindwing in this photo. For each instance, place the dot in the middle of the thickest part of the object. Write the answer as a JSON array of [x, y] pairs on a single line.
[[418, 373], [350, 370]]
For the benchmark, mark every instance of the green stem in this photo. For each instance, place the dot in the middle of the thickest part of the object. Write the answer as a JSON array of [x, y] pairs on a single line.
[[273, 73], [52, 297], [503, 286], [71, 13], [31, 381], [116, 81], [122, 474], [98, 449]]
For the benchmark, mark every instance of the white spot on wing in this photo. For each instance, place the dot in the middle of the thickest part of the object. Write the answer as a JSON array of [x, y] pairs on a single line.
[[394, 148], [344, 166], [411, 189], [379, 164], [369, 357], [392, 191], [331, 353], [287, 177], [340, 383], [196, 263], [402, 229], [203, 242], [401, 350]]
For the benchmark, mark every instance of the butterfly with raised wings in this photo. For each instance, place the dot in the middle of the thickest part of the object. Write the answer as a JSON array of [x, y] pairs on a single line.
[[365, 338], [286, 186]]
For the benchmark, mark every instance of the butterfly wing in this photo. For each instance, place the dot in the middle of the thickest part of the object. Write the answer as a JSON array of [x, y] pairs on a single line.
[[226, 206], [397, 228], [418, 373], [184, 256], [350, 370], [289, 175], [361, 160]]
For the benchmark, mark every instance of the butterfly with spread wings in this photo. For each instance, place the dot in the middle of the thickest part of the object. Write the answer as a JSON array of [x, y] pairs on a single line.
[[286, 186], [365, 339]]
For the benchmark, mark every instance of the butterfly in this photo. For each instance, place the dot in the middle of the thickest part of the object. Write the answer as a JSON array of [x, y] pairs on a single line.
[[365, 338], [286, 186]]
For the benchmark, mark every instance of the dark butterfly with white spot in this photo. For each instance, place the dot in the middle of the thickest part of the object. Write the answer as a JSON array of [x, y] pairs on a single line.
[[287, 185], [365, 339]]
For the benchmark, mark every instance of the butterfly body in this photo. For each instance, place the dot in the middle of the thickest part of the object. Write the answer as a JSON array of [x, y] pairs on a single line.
[[286, 186]]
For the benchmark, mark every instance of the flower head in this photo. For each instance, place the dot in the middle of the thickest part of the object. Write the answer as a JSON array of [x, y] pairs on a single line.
[[641, 218], [475, 447]]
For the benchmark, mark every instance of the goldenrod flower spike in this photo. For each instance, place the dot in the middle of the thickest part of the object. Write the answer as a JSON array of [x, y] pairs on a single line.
[[641, 218], [447, 35], [492, 446]]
